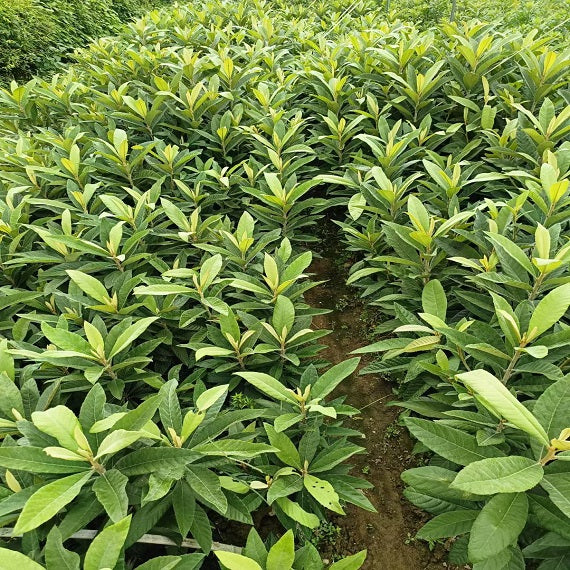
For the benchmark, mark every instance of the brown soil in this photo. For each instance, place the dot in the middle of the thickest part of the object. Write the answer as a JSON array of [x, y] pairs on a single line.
[[387, 534]]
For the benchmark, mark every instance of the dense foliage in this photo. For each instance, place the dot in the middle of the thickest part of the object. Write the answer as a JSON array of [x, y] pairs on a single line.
[[36, 35], [459, 209], [159, 372], [548, 16]]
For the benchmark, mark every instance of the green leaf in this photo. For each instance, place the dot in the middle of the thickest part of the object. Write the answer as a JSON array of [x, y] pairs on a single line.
[[268, 385], [557, 485], [434, 301], [184, 504], [497, 398], [233, 561], [110, 490], [233, 448], [10, 559], [297, 513], [212, 351], [284, 486], [206, 485], [551, 410], [512, 250], [106, 547], [209, 270], [283, 315], [131, 334], [353, 562], [284, 421], [512, 474], [117, 440], [209, 397], [35, 460], [49, 500], [59, 422], [169, 408], [147, 460], [10, 397], [498, 525], [551, 308], [282, 554], [161, 563], [288, 453], [323, 492], [163, 289], [138, 418], [184, 562], [445, 525], [201, 529], [333, 377], [90, 285], [452, 444], [418, 213], [57, 557]]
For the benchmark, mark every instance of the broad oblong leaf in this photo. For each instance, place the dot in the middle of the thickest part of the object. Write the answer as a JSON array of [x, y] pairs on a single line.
[[36, 460], [453, 523], [498, 525], [494, 395], [512, 474], [452, 444], [49, 500]]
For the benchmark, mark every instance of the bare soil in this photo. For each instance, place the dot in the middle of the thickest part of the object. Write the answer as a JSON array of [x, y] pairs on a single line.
[[388, 535]]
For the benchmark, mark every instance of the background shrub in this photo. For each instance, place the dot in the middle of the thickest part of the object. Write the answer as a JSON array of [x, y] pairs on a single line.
[[36, 35], [27, 33]]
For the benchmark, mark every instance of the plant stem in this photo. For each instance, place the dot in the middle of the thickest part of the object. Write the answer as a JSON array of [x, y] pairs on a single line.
[[510, 367]]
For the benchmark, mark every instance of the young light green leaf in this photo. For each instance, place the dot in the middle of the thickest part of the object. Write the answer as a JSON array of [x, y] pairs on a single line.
[[209, 397], [131, 334], [297, 513], [117, 440], [353, 562], [59, 422], [106, 547], [496, 397], [88, 284], [234, 561], [551, 308], [323, 492], [434, 301], [283, 315], [49, 500], [11, 559], [282, 554]]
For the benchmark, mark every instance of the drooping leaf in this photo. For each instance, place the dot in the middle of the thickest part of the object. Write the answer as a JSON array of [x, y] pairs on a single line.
[[498, 525]]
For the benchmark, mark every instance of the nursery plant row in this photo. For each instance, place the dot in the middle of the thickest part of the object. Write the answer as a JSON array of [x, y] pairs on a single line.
[[159, 371]]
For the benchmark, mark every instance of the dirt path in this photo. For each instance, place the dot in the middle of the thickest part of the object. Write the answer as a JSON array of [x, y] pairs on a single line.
[[388, 534]]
